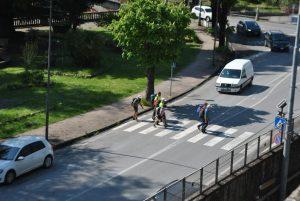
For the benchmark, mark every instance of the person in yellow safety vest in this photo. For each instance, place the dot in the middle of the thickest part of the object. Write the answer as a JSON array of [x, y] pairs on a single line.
[[156, 102]]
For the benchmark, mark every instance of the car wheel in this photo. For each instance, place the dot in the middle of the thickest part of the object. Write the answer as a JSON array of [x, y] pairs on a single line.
[[240, 90], [48, 162], [10, 177], [207, 19]]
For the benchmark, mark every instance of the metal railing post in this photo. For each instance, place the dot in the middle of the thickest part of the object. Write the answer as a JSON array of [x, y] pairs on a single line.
[[201, 181], [271, 139], [246, 150], [217, 170], [183, 189], [165, 194], [231, 161], [258, 147]]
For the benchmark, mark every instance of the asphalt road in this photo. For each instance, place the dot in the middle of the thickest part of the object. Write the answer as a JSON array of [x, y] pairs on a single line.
[[134, 160]]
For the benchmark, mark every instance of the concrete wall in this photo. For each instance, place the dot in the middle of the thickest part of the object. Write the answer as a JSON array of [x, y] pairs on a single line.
[[259, 181]]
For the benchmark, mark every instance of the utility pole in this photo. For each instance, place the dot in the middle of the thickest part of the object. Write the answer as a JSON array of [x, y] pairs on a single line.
[[48, 74], [290, 128], [173, 66], [215, 34]]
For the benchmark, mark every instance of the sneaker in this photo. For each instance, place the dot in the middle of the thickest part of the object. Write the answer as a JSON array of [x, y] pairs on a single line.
[[198, 127], [203, 131]]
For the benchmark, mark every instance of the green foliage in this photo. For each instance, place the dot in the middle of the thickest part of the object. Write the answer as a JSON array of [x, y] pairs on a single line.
[[30, 53], [83, 47], [192, 37], [107, 19], [33, 78], [151, 31]]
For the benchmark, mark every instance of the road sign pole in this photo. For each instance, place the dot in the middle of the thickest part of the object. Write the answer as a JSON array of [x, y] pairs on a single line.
[[171, 79], [199, 18], [290, 129]]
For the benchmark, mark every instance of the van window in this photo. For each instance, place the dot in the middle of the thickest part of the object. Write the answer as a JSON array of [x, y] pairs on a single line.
[[230, 73], [243, 73]]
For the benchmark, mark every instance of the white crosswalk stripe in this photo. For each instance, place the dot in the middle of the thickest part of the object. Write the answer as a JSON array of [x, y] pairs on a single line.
[[135, 127], [168, 131], [214, 128], [122, 125], [237, 140], [197, 137], [164, 133], [218, 139], [148, 130], [185, 132], [230, 131]]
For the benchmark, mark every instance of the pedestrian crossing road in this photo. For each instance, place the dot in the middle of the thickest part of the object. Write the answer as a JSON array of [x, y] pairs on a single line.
[[217, 136]]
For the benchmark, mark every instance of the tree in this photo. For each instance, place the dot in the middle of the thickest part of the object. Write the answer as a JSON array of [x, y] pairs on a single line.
[[152, 32], [225, 6]]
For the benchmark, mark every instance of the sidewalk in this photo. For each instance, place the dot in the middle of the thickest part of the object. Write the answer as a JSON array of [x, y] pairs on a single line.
[[76, 127]]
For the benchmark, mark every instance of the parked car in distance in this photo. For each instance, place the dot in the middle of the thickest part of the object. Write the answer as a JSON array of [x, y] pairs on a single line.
[[248, 28], [277, 40], [235, 76], [206, 12], [23, 154]]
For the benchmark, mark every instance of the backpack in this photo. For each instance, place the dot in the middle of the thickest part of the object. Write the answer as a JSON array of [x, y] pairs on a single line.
[[202, 112], [134, 102], [198, 108], [152, 97]]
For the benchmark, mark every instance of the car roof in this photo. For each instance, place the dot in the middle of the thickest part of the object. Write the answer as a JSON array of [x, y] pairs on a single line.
[[276, 32], [22, 140], [246, 21], [205, 7], [236, 64]]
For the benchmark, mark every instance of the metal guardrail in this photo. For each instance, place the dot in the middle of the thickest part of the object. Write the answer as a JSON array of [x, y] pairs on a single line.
[[20, 22], [219, 169]]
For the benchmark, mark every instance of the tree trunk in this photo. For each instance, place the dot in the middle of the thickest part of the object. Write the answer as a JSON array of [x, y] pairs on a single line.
[[6, 19], [150, 82], [214, 13], [222, 22]]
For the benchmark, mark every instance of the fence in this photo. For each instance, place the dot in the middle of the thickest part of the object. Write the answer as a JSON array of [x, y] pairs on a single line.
[[44, 21], [224, 166]]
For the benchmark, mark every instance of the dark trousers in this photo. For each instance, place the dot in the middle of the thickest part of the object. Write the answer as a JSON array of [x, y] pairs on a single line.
[[203, 124]]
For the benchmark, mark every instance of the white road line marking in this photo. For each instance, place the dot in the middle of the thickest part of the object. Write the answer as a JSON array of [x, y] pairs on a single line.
[[218, 139], [230, 131], [185, 132], [74, 196], [197, 137], [137, 126], [214, 141], [122, 125], [237, 140], [164, 133], [168, 131], [148, 130], [214, 128]]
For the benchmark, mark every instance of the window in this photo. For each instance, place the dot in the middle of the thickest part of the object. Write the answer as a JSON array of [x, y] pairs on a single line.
[[8, 152], [197, 8], [208, 10], [201, 10], [230, 73], [26, 151], [36, 146], [243, 73]]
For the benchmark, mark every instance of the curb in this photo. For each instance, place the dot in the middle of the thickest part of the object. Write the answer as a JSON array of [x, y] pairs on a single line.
[[101, 130]]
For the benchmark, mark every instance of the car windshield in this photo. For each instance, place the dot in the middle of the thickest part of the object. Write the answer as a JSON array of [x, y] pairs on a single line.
[[230, 73], [279, 37], [7, 152], [251, 24], [208, 10]]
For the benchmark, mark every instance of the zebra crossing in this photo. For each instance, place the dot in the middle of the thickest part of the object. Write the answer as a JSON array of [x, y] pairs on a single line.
[[225, 138]]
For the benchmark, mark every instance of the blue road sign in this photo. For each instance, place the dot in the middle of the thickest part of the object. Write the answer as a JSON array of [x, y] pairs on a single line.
[[279, 123]]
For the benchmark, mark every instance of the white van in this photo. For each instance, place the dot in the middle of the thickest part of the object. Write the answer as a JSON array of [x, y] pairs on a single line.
[[205, 11], [236, 75]]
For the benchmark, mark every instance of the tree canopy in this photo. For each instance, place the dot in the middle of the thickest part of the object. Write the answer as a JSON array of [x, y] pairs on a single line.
[[152, 32]]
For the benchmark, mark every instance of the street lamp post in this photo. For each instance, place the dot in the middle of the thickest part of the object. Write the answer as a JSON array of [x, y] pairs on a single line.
[[173, 66], [48, 74], [199, 18], [290, 128]]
